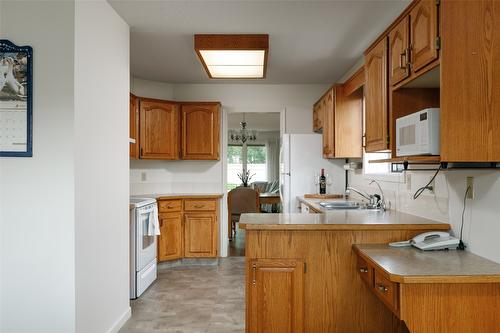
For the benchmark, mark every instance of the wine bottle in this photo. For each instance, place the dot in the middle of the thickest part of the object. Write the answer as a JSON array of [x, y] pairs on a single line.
[[322, 182]]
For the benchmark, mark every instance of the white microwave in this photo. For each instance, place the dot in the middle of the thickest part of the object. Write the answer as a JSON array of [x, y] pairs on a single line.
[[418, 133]]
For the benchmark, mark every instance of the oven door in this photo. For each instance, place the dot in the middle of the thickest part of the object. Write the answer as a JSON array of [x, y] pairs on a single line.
[[145, 250]]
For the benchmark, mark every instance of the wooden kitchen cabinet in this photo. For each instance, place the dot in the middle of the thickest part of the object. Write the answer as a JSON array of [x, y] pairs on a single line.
[[318, 112], [159, 130], [328, 102], [424, 34], [341, 119], [414, 41], [200, 234], [399, 51], [188, 227], [470, 81], [200, 130], [171, 237], [134, 127], [275, 295], [376, 104]]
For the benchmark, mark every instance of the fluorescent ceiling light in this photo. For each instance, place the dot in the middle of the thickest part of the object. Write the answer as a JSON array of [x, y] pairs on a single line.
[[233, 56]]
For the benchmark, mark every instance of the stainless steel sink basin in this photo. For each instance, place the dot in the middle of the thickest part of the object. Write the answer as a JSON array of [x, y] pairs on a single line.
[[341, 205]]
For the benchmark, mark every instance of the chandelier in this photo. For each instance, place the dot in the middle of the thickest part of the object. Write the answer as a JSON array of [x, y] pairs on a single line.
[[243, 134]]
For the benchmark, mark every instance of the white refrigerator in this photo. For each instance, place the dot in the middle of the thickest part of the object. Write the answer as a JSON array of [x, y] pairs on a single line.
[[301, 156]]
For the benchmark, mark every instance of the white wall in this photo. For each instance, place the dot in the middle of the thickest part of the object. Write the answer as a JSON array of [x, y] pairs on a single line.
[[151, 89], [101, 167], [296, 98], [37, 194]]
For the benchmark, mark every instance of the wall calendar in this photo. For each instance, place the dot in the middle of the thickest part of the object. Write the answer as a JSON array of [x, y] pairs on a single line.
[[16, 100]]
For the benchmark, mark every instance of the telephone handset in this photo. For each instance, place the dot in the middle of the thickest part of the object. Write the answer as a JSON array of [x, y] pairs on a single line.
[[432, 240]]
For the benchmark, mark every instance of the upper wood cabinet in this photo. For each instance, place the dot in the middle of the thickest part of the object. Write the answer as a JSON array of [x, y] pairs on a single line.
[[424, 33], [134, 127], [275, 295], [349, 124], [159, 130], [376, 105], [342, 120], [170, 239], [328, 105], [413, 41], [399, 51], [200, 131], [470, 81], [200, 234], [318, 112]]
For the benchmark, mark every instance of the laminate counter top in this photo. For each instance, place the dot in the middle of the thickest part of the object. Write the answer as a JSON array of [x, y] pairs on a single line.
[[340, 220], [165, 196], [411, 265]]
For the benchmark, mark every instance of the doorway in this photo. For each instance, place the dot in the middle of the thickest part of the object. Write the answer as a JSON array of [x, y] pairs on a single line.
[[252, 166]]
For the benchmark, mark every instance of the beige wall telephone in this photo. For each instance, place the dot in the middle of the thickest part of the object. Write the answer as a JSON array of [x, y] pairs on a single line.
[[432, 240]]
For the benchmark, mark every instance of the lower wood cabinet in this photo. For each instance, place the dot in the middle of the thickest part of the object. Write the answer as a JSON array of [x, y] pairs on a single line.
[[200, 235], [275, 295], [188, 228], [170, 241]]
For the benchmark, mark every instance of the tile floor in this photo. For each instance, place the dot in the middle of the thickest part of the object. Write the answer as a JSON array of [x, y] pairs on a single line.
[[236, 247], [193, 299]]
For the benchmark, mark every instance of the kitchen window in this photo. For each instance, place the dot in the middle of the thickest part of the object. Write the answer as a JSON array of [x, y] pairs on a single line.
[[252, 157]]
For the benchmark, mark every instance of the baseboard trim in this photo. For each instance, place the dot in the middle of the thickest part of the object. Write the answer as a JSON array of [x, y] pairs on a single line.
[[121, 321]]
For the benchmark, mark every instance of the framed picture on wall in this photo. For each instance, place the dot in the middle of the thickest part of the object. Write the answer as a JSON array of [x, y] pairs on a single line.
[[16, 100]]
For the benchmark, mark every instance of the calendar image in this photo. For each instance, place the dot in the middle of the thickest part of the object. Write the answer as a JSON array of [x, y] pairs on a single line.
[[15, 100]]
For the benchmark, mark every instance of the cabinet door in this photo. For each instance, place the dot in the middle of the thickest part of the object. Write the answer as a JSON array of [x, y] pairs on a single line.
[[318, 117], [200, 131], [376, 107], [200, 235], [470, 81], [159, 124], [170, 239], [399, 52], [424, 31], [329, 124], [348, 124], [134, 127], [276, 296]]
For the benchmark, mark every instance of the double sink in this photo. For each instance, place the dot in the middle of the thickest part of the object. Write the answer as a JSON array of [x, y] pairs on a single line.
[[338, 205]]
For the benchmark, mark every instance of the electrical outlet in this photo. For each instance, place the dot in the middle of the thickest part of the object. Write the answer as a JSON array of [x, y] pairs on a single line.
[[432, 187], [408, 181], [143, 176], [470, 185]]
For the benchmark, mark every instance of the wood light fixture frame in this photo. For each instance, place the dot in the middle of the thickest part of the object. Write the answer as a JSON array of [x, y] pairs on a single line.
[[230, 42]]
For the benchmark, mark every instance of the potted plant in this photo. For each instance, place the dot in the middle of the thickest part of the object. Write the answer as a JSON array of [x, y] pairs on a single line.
[[245, 177]]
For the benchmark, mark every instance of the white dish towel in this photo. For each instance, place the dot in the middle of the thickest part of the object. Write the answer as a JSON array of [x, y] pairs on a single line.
[[154, 223]]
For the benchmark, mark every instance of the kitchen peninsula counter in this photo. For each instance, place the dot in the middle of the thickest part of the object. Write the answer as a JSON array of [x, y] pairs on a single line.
[[341, 219], [301, 271]]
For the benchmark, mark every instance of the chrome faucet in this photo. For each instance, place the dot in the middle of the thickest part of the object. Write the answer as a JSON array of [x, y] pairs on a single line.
[[364, 195], [375, 201], [381, 203]]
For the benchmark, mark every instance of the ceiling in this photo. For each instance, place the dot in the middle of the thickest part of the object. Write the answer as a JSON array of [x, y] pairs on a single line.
[[310, 41], [262, 121]]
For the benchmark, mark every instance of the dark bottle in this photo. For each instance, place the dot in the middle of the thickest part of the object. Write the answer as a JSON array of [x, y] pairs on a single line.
[[322, 182]]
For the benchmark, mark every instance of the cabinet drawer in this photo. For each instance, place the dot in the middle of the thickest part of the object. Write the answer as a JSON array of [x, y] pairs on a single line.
[[199, 205], [365, 271], [166, 206], [386, 290]]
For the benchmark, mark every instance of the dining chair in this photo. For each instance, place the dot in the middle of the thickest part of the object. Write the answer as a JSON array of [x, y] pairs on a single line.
[[241, 200]]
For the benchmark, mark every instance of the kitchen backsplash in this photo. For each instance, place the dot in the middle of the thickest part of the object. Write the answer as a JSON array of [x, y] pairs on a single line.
[[482, 214], [148, 177]]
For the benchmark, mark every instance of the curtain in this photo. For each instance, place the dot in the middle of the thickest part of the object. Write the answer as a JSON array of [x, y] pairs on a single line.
[[272, 145]]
